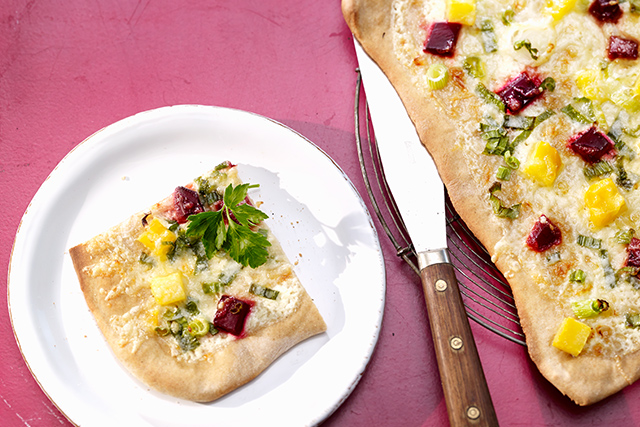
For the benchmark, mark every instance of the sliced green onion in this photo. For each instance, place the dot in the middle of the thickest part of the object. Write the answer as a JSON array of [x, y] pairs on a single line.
[[609, 274], [549, 84], [536, 121], [616, 129], [489, 39], [224, 279], [527, 45], [490, 97], [474, 67], [632, 132], [632, 320], [224, 165], [589, 308], [496, 144], [210, 288], [437, 76], [511, 161], [553, 258], [597, 169], [577, 276], [542, 117], [504, 173], [173, 314], [265, 292], [507, 16], [589, 242], [202, 260], [163, 332], [574, 114], [198, 327], [628, 271], [498, 208], [187, 341], [585, 106], [175, 327], [146, 259], [518, 122], [624, 237], [625, 179], [192, 307]]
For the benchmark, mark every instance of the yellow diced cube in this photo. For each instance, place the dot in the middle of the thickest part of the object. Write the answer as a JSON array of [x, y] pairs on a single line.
[[151, 317], [462, 11], [603, 201], [168, 289], [156, 227], [572, 336], [558, 9], [148, 239], [636, 86], [158, 239], [591, 85], [543, 164]]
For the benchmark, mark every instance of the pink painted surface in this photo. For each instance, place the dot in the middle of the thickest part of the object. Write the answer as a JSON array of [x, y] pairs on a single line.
[[69, 68]]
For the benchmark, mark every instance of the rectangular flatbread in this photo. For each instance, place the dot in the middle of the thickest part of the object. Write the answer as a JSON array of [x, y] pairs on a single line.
[[530, 110]]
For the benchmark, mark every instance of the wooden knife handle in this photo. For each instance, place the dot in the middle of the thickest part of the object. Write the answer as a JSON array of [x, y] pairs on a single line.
[[463, 381]]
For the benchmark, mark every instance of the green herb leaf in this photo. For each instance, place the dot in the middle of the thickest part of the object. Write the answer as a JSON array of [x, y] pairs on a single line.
[[245, 246], [230, 228]]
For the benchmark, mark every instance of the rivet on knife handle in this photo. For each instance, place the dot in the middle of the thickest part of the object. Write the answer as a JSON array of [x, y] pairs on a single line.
[[463, 381]]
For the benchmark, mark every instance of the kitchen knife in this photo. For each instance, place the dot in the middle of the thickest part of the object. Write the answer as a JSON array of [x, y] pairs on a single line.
[[419, 194]]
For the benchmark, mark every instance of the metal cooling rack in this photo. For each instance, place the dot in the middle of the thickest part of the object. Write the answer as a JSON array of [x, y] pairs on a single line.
[[486, 295]]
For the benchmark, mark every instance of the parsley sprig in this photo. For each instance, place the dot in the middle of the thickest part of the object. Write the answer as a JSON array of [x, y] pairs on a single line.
[[230, 228]]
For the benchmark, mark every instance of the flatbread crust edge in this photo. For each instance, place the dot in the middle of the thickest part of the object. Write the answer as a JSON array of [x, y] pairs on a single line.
[[584, 379], [235, 364]]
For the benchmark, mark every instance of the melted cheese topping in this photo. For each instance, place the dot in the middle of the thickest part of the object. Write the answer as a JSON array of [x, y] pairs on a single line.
[[569, 47], [140, 320]]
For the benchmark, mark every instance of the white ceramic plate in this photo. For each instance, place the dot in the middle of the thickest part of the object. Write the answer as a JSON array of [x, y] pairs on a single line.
[[314, 210]]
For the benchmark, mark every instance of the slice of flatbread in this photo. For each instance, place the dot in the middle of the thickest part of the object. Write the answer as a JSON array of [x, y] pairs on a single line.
[[126, 271], [393, 32]]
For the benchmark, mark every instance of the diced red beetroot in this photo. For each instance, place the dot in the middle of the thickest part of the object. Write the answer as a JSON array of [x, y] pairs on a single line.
[[543, 235], [633, 253], [591, 145], [622, 48], [519, 92], [231, 315], [606, 10], [442, 38], [186, 202]]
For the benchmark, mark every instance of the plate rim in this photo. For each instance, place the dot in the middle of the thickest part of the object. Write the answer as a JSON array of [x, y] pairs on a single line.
[[167, 112]]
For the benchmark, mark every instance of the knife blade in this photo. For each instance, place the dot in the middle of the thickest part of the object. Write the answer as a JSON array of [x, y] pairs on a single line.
[[419, 195]]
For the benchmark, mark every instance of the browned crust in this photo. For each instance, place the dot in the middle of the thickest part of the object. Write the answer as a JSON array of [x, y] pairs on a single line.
[[584, 379], [204, 380]]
